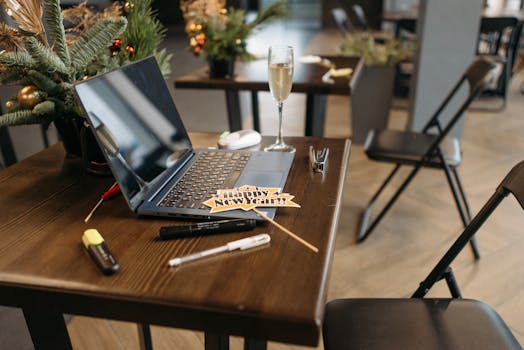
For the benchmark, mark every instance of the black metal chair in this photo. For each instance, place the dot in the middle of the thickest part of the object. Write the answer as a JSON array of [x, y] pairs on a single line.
[[418, 323], [342, 21], [360, 16], [499, 39], [425, 148]]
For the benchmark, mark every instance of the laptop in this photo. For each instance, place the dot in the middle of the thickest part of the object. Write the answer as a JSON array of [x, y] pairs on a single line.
[[136, 123]]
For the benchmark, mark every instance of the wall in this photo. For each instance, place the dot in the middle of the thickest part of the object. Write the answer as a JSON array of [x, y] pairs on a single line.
[[447, 36]]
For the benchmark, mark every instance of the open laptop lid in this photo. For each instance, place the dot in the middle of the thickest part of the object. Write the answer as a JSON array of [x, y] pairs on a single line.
[[136, 124]]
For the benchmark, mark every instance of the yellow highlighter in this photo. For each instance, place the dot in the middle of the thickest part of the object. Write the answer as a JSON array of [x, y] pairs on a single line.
[[99, 251]]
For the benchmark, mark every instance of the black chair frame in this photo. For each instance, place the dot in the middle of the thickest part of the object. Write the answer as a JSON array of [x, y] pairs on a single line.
[[360, 17], [342, 21], [500, 37], [436, 323], [512, 183], [476, 77]]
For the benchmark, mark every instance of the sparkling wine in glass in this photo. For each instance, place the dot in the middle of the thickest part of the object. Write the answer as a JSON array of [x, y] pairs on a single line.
[[280, 76]]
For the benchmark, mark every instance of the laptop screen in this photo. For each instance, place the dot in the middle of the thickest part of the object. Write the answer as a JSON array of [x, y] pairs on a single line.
[[135, 121]]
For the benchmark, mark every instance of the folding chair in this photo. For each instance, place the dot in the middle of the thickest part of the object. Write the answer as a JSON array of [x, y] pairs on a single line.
[[499, 39], [418, 323], [342, 21], [360, 15], [425, 149]]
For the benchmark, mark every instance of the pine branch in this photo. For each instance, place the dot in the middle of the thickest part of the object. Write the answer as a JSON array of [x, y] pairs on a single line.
[[164, 61], [46, 107], [17, 59], [11, 76], [43, 82], [55, 26], [144, 31], [85, 49], [45, 57], [276, 10], [21, 117]]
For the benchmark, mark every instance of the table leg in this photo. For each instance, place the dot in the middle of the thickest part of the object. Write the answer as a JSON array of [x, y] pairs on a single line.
[[48, 330], [233, 110], [214, 341], [254, 344], [6, 147], [145, 340], [315, 114], [255, 110]]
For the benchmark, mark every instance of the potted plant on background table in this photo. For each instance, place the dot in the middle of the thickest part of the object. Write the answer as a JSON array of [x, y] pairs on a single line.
[[45, 60], [221, 34], [373, 93]]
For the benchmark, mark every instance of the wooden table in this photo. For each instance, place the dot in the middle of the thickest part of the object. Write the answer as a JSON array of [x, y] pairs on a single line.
[[274, 293], [252, 77]]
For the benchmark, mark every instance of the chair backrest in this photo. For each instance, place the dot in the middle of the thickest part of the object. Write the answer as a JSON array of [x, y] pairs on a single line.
[[512, 183], [360, 16], [342, 21], [477, 77], [495, 34]]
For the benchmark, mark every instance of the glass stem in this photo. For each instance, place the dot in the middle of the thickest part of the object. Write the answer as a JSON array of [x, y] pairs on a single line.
[[280, 139]]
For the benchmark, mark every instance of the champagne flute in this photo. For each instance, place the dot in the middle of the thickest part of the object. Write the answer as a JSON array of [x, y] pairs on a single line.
[[280, 71]]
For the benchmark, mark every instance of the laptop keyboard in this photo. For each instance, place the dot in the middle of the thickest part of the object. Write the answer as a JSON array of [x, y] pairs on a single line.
[[211, 171]]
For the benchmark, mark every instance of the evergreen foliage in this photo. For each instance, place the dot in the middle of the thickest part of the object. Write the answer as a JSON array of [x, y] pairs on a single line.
[[223, 34], [54, 67], [144, 34]]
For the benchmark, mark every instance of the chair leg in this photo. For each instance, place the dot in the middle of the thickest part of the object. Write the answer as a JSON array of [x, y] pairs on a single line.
[[363, 236], [462, 193], [461, 210], [367, 212], [454, 289]]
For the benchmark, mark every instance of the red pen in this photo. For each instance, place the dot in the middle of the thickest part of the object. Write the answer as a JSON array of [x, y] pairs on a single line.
[[110, 193]]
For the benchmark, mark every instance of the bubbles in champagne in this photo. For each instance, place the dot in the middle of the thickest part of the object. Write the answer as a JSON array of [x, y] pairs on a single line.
[[280, 80]]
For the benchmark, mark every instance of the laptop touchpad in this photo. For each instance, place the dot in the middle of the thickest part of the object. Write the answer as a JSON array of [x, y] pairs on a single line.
[[261, 178]]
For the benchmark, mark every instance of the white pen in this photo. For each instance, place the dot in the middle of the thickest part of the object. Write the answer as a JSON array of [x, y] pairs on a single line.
[[242, 244]]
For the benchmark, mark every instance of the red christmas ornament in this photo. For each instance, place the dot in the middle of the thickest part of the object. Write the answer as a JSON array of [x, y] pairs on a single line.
[[196, 50], [115, 46], [130, 50]]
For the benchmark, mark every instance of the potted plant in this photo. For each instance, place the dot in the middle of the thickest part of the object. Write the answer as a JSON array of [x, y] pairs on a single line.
[[221, 34], [45, 60], [373, 92], [38, 58]]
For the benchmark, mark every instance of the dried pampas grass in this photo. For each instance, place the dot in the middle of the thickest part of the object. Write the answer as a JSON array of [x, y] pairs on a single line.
[[27, 14], [81, 17]]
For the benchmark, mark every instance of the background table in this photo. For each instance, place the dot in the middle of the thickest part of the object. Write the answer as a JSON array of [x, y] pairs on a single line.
[[274, 293], [252, 77]]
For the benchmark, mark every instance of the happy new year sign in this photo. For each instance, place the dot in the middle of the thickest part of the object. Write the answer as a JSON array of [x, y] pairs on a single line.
[[249, 197]]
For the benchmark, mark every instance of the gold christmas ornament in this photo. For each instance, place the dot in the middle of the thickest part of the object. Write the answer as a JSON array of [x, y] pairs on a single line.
[[9, 104], [128, 7], [28, 97]]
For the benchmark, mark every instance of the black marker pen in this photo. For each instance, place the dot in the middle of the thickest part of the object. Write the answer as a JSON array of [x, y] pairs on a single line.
[[204, 228]]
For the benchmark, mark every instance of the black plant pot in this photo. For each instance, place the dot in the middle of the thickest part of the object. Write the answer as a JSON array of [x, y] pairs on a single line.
[[68, 128], [219, 68], [79, 142]]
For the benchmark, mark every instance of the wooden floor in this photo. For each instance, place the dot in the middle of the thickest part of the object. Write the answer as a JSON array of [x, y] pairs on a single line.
[[412, 236]]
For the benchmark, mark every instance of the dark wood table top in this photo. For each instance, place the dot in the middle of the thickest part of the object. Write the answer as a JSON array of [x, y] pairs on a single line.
[[275, 292], [252, 76]]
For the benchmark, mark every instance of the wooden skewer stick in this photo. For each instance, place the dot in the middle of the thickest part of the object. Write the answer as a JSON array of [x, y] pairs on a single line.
[[307, 244]]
